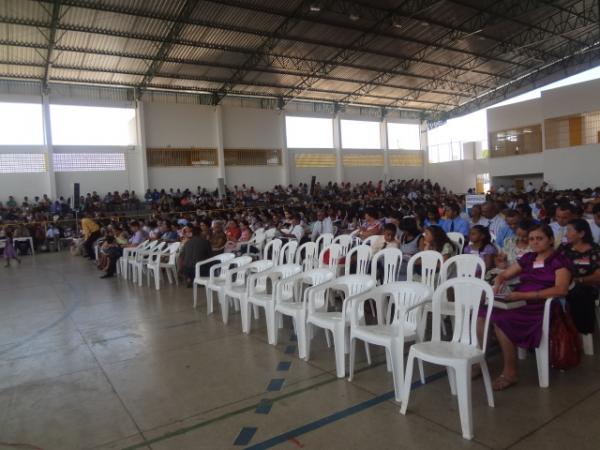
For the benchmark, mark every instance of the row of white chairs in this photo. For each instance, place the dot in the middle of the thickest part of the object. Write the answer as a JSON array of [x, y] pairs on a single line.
[[151, 258]]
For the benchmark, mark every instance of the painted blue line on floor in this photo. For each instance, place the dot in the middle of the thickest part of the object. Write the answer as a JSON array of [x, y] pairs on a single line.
[[290, 349], [275, 384], [284, 437], [264, 407], [284, 366], [245, 436]]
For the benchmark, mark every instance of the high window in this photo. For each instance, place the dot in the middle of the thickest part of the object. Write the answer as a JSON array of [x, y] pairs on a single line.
[[403, 136], [360, 134], [21, 124]]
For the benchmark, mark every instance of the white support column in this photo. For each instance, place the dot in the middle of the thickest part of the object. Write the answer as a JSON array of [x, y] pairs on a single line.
[[337, 145], [384, 146], [140, 182], [48, 147], [285, 157], [424, 149], [219, 142]]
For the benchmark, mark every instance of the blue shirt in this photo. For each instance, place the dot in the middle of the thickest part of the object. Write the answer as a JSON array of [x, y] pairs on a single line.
[[460, 225], [503, 233]]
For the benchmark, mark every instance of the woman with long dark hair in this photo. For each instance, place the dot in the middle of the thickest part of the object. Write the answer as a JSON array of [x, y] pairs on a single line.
[[435, 238], [481, 245], [585, 258]]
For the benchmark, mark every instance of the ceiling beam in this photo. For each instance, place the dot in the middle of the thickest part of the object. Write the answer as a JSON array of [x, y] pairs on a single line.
[[523, 37], [167, 43], [277, 59], [114, 8], [55, 18]]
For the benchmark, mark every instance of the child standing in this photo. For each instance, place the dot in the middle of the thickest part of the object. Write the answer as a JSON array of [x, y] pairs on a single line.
[[9, 249]]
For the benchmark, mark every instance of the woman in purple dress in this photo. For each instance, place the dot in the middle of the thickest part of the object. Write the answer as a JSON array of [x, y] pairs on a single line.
[[9, 249], [543, 273]]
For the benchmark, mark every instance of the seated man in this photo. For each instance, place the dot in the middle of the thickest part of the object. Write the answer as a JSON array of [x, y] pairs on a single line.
[[112, 252], [197, 248]]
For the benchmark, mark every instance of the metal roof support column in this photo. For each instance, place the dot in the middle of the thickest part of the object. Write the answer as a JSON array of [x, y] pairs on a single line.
[[337, 145], [385, 148], [285, 157], [48, 147], [140, 180], [219, 142]]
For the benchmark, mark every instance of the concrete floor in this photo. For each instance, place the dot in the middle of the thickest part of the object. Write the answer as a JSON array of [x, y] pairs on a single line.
[[102, 364]]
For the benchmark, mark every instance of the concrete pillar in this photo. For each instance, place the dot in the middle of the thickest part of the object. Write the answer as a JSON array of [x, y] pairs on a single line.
[[337, 145], [285, 157], [48, 147], [385, 147], [140, 174], [219, 141]]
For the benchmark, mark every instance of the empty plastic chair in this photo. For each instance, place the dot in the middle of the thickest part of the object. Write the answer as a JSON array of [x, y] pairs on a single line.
[[155, 265], [203, 280], [345, 240], [324, 240], [218, 276], [266, 299], [459, 354], [360, 258], [272, 250], [288, 252], [307, 256], [408, 299], [295, 307], [319, 315]]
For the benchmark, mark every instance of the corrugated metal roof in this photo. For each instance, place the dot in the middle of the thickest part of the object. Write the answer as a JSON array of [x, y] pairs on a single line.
[[364, 52]]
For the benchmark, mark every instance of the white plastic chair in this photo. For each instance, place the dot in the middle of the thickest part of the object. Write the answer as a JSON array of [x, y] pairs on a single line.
[[335, 254], [203, 281], [408, 299], [307, 256], [155, 265], [218, 276], [295, 307], [324, 240], [266, 299], [431, 265], [236, 286], [144, 257], [542, 355], [458, 239], [363, 260], [288, 252], [126, 261], [336, 322], [369, 241], [137, 255], [273, 247], [345, 240], [391, 264], [257, 241], [459, 354]]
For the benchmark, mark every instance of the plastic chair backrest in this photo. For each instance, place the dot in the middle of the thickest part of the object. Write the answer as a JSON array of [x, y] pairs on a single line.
[[402, 295], [247, 269], [369, 241], [362, 263], [274, 247], [392, 261], [232, 264], [281, 273], [431, 264], [306, 255], [303, 281], [324, 240], [458, 239], [335, 253], [173, 251], [345, 240], [349, 285], [465, 266], [288, 252], [468, 293]]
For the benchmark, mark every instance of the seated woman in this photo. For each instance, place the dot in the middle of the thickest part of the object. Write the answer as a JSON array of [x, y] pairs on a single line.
[[543, 273], [371, 225], [481, 244], [584, 255], [409, 242], [435, 238], [518, 244]]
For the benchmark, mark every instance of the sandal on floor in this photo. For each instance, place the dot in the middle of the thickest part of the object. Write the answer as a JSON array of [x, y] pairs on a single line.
[[501, 383]]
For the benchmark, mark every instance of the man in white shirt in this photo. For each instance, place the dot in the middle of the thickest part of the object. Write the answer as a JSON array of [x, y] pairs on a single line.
[[491, 218], [295, 231], [322, 225], [529, 188], [564, 213]]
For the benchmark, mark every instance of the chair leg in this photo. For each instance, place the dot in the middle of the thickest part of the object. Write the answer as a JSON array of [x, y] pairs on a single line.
[[156, 277], [451, 379], [410, 362], [487, 382], [308, 337], [245, 310], [169, 276], [522, 353], [339, 344], [352, 358], [421, 372], [300, 335], [195, 290], [256, 312], [271, 324], [368, 353], [175, 276], [224, 302], [463, 384], [588, 344], [209, 301], [327, 338], [543, 366], [397, 358]]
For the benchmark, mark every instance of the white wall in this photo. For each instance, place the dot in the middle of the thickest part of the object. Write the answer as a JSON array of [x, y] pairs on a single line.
[[20, 185], [262, 178], [251, 128], [576, 167], [582, 97], [515, 115], [182, 177]]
